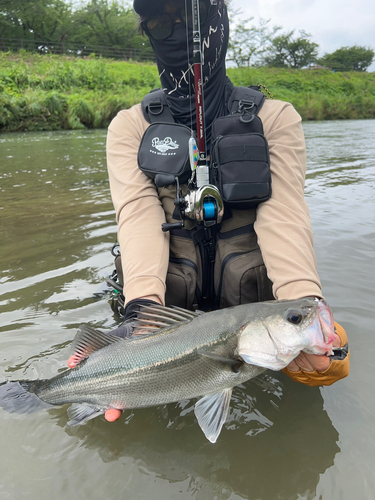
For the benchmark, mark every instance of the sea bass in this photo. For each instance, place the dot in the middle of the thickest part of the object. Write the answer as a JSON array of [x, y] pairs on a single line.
[[179, 355]]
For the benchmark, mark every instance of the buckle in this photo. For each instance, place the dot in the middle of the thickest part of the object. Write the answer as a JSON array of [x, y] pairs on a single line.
[[115, 250], [155, 107], [245, 106]]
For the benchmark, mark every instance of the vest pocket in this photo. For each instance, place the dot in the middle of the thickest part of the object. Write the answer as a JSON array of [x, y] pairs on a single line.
[[242, 279], [181, 283], [241, 169]]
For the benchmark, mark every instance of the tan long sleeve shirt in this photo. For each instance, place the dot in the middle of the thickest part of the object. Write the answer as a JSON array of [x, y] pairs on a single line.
[[282, 226]]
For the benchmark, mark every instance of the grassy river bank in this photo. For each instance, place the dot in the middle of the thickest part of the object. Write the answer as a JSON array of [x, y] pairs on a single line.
[[59, 92]]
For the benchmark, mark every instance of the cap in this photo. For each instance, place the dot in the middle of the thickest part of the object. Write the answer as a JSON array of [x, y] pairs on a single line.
[[147, 8]]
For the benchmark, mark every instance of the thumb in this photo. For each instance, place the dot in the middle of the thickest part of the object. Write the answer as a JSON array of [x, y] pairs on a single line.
[[112, 415]]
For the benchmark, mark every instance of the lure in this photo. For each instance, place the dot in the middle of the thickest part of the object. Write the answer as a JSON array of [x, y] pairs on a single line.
[[193, 153]]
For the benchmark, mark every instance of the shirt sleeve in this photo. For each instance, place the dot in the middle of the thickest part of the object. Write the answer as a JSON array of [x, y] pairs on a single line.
[[283, 224], [139, 213]]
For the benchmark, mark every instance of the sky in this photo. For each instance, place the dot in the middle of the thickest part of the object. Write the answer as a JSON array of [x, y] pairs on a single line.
[[332, 23]]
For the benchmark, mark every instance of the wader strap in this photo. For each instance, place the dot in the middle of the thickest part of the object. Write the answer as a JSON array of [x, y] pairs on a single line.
[[198, 233], [239, 231], [183, 233]]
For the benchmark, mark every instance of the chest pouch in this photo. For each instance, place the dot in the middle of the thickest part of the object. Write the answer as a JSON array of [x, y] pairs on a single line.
[[163, 154], [240, 162]]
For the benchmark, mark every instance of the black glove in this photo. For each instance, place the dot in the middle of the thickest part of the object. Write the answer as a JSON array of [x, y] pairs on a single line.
[[126, 329]]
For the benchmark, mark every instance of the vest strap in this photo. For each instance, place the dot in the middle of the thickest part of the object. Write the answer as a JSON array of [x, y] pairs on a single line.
[[155, 107], [244, 100]]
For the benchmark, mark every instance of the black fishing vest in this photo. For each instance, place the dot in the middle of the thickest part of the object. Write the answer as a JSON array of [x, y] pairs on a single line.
[[217, 266]]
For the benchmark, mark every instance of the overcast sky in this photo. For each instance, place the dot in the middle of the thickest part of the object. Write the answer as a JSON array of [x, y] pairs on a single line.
[[332, 23]]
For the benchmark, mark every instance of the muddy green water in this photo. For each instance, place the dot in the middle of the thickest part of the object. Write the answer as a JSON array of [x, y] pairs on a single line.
[[281, 441]]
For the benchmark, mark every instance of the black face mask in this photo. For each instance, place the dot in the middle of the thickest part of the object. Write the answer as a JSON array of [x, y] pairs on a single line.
[[176, 74]]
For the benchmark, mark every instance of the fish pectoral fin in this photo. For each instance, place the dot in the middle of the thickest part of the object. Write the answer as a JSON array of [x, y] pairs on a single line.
[[89, 340], [233, 362], [80, 413], [211, 412]]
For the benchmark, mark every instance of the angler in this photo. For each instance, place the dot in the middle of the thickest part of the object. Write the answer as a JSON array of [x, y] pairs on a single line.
[[216, 216]]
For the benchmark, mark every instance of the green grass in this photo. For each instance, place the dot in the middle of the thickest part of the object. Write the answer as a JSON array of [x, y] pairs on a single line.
[[316, 94], [59, 92]]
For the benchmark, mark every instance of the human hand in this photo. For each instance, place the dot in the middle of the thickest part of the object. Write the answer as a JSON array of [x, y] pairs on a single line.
[[311, 362], [313, 370]]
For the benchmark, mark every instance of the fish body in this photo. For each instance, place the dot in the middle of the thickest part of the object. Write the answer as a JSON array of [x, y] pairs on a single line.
[[189, 355]]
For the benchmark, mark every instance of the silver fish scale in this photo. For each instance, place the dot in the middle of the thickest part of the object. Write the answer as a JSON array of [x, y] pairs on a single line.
[[159, 368]]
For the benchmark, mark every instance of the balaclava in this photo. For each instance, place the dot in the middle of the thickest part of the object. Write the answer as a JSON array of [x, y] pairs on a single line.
[[175, 64]]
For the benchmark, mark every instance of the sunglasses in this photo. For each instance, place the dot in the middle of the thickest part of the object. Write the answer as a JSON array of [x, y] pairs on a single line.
[[161, 26]]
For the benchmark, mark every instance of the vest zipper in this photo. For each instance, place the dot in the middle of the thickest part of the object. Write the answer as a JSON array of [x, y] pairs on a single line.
[[214, 161]]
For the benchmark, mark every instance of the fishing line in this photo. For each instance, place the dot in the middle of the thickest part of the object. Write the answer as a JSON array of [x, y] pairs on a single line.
[[193, 150]]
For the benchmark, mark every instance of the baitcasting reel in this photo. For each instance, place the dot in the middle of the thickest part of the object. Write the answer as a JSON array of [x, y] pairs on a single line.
[[203, 204]]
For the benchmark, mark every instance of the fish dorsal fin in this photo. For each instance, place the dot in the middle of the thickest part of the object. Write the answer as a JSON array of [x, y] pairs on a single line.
[[89, 340], [156, 317], [211, 412]]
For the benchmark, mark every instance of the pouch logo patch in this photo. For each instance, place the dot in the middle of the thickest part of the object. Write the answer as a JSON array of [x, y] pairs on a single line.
[[164, 145]]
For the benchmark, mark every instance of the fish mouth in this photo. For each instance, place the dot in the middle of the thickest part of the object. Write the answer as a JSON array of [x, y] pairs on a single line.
[[326, 321], [321, 331]]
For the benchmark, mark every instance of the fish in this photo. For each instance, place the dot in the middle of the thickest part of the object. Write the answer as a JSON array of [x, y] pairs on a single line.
[[176, 355]]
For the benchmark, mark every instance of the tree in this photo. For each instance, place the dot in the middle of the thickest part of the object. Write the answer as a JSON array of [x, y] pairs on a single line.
[[46, 20], [248, 43], [289, 52], [50, 23], [349, 59], [109, 23]]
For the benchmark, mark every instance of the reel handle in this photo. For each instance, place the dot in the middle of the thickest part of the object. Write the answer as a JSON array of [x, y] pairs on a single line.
[[166, 226]]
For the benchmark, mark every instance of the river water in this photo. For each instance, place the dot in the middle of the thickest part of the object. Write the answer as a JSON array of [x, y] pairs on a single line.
[[282, 440]]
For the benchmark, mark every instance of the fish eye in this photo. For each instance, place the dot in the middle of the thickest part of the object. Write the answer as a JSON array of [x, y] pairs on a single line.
[[294, 316]]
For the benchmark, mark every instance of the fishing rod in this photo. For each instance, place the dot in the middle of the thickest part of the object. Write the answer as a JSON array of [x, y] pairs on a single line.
[[205, 203], [198, 85]]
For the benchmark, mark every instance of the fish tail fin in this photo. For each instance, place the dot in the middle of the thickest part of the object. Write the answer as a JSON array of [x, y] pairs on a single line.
[[16, 398]]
